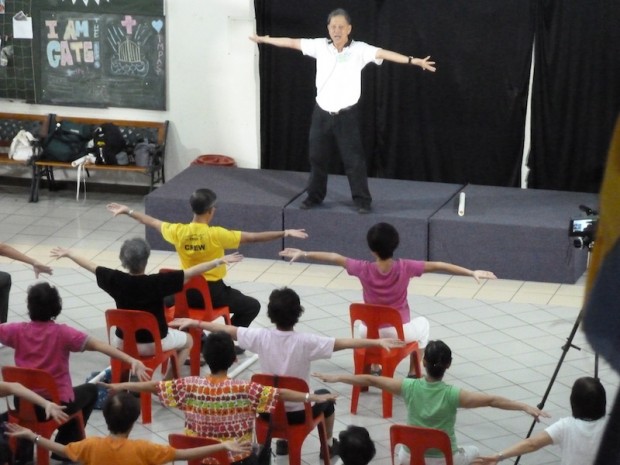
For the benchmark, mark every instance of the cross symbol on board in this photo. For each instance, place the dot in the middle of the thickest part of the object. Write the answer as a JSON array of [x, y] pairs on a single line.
[[129, 23]]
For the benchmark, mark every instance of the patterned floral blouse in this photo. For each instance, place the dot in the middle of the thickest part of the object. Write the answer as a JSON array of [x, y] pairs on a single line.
[[219, 408]]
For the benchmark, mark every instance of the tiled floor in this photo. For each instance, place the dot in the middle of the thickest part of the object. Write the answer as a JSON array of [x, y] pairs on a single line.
[[506, 336]]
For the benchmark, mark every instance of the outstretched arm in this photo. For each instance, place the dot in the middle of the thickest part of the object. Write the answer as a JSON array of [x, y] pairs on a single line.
[[283, 42], [329, 257], [184, 323], [355, 343], [526, 446], [392, 385], [479, 399], [118, 209], [199, 452], [133, 386], [206, 266], [14, 254], [425, 63], [266, 236], [296, 396], [137, 367], [51, 409], [431, 267], [20, 432], [59, 252]]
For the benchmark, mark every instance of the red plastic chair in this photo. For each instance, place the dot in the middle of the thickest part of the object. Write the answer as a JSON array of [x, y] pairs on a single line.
[[374, 317], [294, 434], [181, 309], [181, 441], [43, 383], [419, 440], [130, 322]]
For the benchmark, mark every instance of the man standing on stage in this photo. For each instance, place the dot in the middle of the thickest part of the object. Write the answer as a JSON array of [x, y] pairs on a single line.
[[335, 122]]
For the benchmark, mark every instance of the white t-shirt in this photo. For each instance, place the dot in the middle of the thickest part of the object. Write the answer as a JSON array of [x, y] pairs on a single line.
[[286, 353], [578, 439], [339, 75]]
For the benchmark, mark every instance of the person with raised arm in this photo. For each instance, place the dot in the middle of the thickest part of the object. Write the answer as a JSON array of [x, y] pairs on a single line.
[[335, 127], [284, 310], [216, 406], [136, 290], [198, 241], [121, 411], [432, 403], [385, 280]]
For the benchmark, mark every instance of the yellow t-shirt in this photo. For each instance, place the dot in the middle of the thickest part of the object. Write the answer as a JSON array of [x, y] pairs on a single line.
[[197, 243], [110, 450]]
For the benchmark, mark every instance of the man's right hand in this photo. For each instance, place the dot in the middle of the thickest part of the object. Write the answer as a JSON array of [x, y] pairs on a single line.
[[291, 253], [117, 209]]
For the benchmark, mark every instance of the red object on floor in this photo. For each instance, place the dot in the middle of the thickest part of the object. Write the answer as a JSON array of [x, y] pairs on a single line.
[[216, 160]]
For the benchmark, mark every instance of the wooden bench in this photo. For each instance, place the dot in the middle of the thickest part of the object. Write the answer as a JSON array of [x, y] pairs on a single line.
[[11, 124], [133, 132]]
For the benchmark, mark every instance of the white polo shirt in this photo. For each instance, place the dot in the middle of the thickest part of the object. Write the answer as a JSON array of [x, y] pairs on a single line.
[[339, 75]]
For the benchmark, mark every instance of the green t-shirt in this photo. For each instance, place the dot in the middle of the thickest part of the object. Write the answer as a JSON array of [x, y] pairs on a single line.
[[432, 405]]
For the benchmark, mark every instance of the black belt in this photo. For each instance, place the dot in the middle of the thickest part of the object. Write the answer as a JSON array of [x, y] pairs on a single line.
[[342, 110]]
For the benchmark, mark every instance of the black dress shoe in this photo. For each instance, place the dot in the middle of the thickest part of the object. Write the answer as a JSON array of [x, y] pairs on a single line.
[[308, 204]]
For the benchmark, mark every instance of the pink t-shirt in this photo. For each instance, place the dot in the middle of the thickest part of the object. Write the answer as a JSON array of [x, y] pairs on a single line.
[[386, 288], [45, 345]]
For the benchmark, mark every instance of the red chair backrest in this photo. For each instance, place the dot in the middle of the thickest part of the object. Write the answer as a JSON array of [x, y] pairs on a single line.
[[34, 379], [130, 322], [419, 440], [182, 441], [279, 419], [374, 317]]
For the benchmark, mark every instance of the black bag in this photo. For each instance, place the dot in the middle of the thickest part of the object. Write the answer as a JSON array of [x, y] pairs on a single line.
[[67, 142], [107, 142]]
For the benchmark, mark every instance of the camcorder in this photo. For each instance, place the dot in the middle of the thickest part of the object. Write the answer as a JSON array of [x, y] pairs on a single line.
[[583, 230]]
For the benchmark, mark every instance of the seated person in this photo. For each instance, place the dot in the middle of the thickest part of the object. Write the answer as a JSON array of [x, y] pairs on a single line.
[[121, 412], [385, 280], [284, 310], [46, 345], [578, 436], [431, 403], [356, 447], [138, 291], [216, 406]]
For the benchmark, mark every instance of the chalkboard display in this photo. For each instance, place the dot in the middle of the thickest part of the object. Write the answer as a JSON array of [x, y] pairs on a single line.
[[96, 59]]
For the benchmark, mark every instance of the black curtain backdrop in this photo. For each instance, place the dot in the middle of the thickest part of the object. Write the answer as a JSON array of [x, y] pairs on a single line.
[[466, 122], [576, 92]]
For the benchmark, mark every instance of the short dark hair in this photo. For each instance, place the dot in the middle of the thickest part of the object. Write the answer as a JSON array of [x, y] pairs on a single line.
[[121, 410], [202, 200], [438, 357], [383, 240], [339, 12], [587, 399], [218, 351], [356, 446], [284, 308], [44, 302], [134, 255]]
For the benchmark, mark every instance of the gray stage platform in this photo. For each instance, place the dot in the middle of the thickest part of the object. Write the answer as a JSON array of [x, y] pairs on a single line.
[[516, 233], [335, 226], [248, 200]]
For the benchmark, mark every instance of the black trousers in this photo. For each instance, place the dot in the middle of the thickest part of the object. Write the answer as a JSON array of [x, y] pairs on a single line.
[[5, 290], [298, 417], [243, 308], [331, 135]]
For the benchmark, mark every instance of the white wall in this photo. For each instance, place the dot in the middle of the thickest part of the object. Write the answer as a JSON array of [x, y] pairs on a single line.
[[212, 86]]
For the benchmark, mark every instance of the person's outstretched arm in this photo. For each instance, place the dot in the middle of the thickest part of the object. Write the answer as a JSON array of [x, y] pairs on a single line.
[[425, 63], [283, 42], [133, 386], [137, 367], [118, 209], [185, 323], [392, 385], [296, 396], [359, 343], [432, 267], [17, 431], [206, 266], [469, 399], [59, 252], [51, 409], [199, 452], [328, 257], [266, 236], [14, 254], [526, 446]]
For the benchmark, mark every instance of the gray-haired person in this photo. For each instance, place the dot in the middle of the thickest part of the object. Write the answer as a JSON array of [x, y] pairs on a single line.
[[136, 290]]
